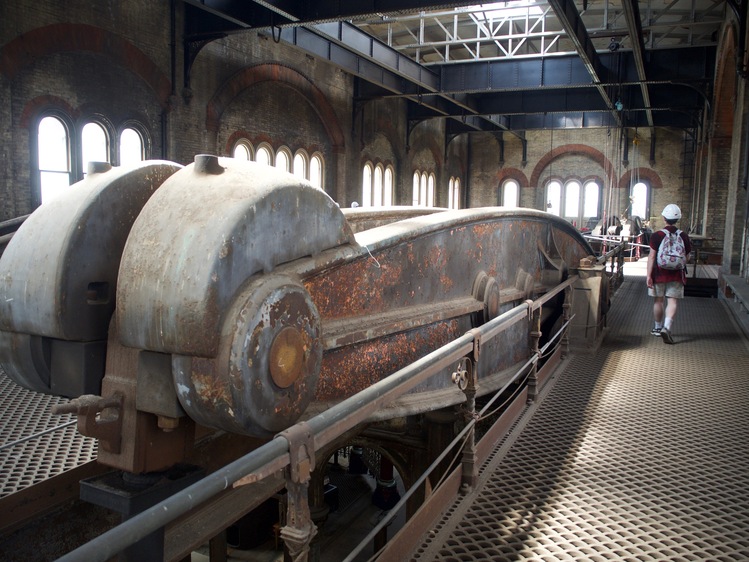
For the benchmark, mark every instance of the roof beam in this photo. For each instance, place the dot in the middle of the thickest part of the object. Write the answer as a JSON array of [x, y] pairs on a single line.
[[634, 24], [570, 19]]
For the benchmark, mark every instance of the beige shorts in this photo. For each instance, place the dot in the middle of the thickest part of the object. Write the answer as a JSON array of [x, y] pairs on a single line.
[[672, 289]]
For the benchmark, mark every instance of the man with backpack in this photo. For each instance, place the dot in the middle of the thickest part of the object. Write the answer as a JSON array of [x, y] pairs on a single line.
[[667, 261]]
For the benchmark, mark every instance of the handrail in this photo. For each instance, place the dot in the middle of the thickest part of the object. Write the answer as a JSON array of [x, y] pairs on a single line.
[[459, 437], [273, 456]]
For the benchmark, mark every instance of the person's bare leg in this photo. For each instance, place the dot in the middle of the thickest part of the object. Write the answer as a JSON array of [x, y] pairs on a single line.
[[671, 307], [658, 309]]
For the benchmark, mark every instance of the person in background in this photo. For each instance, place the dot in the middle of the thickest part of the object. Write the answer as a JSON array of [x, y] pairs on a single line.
[[665, 283]]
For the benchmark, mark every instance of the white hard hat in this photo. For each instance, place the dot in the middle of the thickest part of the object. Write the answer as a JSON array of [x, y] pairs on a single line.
[[671, 212]]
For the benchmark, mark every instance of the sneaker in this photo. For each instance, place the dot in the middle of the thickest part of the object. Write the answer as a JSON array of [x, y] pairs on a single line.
[[666, 336], [656, 332]]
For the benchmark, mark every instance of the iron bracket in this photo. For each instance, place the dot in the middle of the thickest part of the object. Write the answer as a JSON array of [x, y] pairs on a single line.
[[301, 451]]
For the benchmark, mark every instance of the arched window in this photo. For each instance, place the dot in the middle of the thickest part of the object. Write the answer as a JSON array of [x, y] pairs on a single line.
[[283, 159], [377, 185], [591, 205], [509, 194], [53, 151], [572, 201], [94, 145], [453, 193], [300, 164], [577, 203], [131, 147], [316, 170], [640, 200], [423, 189], [264, 155], [242, 150], [388, 189], [554, 197], [366, 185]]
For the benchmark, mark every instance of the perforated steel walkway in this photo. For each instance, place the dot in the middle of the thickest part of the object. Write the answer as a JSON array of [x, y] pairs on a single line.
[[639, 452], [35, 445]]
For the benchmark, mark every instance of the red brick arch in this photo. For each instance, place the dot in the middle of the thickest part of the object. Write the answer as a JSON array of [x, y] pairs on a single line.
[[645, 175], [41, 103], [250, 76], [25, 50], [567, 150], [514, 174]]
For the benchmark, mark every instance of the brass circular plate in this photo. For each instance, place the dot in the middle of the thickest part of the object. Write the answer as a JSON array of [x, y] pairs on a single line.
[[286, 357]]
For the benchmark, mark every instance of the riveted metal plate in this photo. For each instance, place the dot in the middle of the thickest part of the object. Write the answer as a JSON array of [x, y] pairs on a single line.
[[638, 452]]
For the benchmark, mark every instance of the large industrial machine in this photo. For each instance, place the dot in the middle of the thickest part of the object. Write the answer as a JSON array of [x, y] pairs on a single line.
[[167, 301]]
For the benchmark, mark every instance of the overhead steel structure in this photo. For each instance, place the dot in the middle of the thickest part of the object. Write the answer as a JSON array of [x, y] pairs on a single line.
[[503, 66]]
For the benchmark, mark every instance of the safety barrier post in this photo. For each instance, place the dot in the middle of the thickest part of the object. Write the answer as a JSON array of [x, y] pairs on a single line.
[[535, 336], [465, 378], [566, 307], [299, 530]]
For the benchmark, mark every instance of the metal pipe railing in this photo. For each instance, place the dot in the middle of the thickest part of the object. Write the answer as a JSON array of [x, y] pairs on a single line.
[[325, 428]]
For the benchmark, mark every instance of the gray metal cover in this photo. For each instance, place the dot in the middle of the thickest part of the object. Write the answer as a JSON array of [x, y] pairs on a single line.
[[211, 227], [58, 275]]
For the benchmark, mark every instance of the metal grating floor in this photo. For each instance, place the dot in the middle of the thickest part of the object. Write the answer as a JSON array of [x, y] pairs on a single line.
[[34, 444], [638, 452]]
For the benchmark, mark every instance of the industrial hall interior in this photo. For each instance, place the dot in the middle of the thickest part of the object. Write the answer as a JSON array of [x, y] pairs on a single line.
[[310, 280]]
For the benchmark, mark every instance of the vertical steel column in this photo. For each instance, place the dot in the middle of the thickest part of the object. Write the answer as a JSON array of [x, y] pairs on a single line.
[[566, 307], [535, 336]]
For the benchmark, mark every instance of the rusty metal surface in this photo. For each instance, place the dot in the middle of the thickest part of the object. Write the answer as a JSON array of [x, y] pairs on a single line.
[[267, 369], [412, 266]]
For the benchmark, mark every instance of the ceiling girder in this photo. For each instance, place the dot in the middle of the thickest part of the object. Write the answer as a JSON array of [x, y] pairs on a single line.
[[282, 13], [684, 65], [482, 95], [568, 16], [634, 24]]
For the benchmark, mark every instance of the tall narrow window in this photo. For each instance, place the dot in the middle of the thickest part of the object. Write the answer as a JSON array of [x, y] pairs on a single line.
[[640, 201], [591, 205], [377, 186], [430, 190], [572, 202], [366, 185], [316, 171], [300, 165], [510, 194], [554, 197], [93, 144], [54, 157], [388, 188], [453, 193], [415, 195], [131, 147]]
